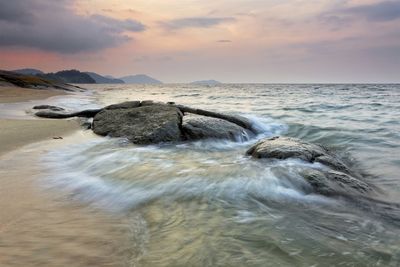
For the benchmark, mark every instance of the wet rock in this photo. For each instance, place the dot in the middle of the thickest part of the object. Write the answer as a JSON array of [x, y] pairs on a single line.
[[142, 125], [89, 113], [287, 147], [86, 125], [198, 127], [335, 183], [238, 120], [334, 179], [49, 107], [130, 119]]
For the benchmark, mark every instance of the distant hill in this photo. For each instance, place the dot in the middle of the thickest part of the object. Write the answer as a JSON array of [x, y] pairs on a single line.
[[68, 76], [140, 79], [103, 79], [28, 71], [31, 81], [207, 82]]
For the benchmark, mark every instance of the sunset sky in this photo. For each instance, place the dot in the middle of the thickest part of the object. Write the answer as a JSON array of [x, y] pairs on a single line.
[[227, 40]]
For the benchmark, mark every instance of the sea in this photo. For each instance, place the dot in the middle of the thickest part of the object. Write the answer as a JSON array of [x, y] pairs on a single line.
[[206, 203]]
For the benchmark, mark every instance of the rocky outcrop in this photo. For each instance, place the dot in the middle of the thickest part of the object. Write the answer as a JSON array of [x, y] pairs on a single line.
[[335, 179], [149, 122], [199, 127], [141, 125]]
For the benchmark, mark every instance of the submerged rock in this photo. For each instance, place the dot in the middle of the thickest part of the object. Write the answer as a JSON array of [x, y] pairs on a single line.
[[142, 125], [287, 147], [199, 127], [335, 183], [337, 179]]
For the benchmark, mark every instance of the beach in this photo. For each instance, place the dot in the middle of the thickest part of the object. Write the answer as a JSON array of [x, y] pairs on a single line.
[[10, 94], [15, 133], [89, 200], [29, 214]]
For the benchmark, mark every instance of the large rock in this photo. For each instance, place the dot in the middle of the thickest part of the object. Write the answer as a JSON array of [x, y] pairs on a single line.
[[287, 147], [141, 125], [199, 127]]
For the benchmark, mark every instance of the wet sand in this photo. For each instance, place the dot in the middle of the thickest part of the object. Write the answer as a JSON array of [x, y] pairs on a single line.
[[10, 94], [39, 227], [17, 133]]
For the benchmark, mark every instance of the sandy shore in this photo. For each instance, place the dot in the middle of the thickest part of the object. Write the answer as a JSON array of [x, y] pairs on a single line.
[[39, 227], [10, 94], [17, 133]]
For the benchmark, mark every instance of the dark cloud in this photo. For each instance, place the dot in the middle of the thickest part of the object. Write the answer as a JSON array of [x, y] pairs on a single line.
[[52, 26], [383, 11], [196, 22], [115, 25], [224, 41]]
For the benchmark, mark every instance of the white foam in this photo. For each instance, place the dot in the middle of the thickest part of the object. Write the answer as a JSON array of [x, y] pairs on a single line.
[[113, 177]]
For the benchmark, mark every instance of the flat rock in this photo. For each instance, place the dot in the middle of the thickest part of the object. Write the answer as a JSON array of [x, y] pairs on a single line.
[[141, 125], [49, 107], [199, 127]]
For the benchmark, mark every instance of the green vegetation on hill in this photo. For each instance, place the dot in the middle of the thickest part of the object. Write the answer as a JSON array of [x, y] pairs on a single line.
[[28, 71], [68, 76], [30, 81], [140, 79], [103, 79], [24, 80]]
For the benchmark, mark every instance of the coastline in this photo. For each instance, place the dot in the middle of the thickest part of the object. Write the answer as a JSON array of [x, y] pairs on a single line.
[[41, 227], [13, 94], [30, 214], [15, 133]]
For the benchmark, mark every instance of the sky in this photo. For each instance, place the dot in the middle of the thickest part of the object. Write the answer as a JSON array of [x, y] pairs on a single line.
[[271, 41]]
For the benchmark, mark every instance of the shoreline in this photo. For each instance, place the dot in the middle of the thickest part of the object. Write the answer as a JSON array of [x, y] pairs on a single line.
[[16, 133], [14, 94], [30, 214], [34, 218]]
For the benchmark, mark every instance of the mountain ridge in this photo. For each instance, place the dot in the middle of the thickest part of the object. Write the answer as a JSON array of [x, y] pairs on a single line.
[[140, 79]]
